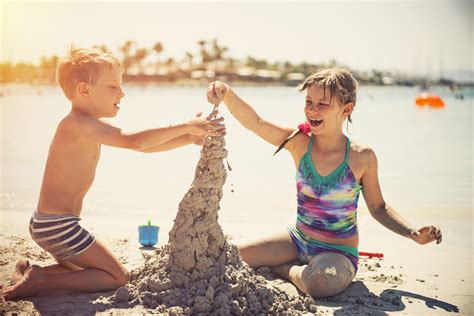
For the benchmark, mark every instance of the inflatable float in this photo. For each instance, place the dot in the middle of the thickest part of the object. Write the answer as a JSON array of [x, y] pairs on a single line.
[[431, 100]]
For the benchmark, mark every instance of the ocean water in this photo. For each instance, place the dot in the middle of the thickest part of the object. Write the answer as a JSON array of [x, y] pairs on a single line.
[[424, 155]]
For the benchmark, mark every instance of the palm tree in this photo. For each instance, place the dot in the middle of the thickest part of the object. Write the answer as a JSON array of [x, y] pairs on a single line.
[[127, 59], [288, 66], [218, 51], [189, 59], [140, 55], [205, 56], [157, 48], [103, 48], [170, 62], [256, 63], [305, 68], [48, 67], [332, 63]]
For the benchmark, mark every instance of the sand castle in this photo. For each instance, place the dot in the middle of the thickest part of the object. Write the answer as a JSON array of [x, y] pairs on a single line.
[[199, 271]]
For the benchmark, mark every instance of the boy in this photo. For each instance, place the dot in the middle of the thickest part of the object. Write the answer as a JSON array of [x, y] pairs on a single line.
[[91, 80]]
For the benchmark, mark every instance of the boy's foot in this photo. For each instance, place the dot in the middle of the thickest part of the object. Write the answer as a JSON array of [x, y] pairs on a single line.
[[27, 286], [21, 266], [2, 299]]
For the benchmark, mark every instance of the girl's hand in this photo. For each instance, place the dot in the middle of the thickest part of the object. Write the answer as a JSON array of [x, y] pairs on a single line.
[[216, 92], [427, 234]]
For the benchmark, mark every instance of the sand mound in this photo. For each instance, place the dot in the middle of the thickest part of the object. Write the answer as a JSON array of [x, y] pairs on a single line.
[[199, 271]]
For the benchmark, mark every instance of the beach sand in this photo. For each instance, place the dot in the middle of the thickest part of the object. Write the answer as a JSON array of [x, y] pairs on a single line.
[[410, 280], [198, 269]]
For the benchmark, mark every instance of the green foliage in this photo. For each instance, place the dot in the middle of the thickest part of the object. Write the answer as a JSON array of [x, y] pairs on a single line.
[[212, 55]]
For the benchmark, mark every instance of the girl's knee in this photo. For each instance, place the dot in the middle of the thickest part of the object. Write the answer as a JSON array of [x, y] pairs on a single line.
[[328, 279], [249, 254], [326, 283]]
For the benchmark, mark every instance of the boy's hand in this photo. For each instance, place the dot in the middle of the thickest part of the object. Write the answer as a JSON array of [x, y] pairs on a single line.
[[197, 140], [207, 126], [427, 234], [216, 92]]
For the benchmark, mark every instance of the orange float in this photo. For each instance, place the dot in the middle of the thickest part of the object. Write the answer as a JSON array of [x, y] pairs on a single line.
[[432, 100]]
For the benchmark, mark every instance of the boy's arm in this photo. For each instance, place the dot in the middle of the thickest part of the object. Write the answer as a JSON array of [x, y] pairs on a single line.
[[179, 141], [107, 134]]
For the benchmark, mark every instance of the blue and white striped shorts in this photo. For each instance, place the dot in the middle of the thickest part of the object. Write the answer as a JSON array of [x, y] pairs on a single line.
[[60, 235]]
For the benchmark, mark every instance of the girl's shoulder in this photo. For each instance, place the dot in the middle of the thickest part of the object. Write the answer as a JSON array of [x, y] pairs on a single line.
[[359, 149], [302, 141], [361, 157], [297, 144]]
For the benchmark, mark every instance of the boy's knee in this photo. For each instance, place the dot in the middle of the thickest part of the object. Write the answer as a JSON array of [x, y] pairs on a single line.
[[243, 251], [123, 278]]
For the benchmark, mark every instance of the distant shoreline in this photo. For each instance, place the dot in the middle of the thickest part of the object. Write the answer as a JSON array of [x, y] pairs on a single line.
[[204, 83]]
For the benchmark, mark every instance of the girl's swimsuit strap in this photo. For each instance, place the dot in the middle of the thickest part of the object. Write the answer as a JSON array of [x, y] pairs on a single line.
[[348, 147], [310, 145]]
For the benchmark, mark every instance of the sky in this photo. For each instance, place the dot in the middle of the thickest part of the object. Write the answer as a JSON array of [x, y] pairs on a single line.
[[424, 37]]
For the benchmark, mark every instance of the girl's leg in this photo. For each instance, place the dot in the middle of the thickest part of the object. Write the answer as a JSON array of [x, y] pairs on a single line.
[[101, 272], [269, 251], [327, 274]]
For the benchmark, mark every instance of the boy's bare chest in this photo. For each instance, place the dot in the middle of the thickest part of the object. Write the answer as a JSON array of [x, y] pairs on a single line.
[[82, 156], [90, 153]]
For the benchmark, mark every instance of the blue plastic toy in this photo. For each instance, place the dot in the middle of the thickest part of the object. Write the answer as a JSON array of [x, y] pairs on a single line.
[[148, 234]]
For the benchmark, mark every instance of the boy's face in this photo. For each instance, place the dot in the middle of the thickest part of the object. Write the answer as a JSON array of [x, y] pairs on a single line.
[[106, 94]]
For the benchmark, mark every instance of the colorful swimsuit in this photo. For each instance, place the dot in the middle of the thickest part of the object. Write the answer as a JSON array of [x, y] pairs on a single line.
[[327, 207]]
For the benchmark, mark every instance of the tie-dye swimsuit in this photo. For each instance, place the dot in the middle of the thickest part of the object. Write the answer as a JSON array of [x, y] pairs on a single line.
[[327, 207]]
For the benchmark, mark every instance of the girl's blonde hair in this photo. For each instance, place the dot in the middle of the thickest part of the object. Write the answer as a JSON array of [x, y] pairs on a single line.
[[340, 82], [83, 65]]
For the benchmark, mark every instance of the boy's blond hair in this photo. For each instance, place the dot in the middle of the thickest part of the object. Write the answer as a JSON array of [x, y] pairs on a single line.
[[340, 82], [83, 65]]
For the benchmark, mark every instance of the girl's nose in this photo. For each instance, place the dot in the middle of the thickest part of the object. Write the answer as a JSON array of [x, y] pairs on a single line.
[[312, 108]]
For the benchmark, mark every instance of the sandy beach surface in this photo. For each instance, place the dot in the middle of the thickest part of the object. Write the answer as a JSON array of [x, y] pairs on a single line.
[[409, 280]]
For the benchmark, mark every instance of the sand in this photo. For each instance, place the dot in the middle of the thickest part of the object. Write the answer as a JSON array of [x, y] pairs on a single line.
[[199, 271], [381, 286]]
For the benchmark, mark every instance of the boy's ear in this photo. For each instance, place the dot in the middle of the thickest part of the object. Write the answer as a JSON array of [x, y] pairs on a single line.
[[83, 89]]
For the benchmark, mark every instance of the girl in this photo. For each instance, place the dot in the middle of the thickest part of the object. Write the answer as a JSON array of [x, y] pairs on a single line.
[[330, 173]]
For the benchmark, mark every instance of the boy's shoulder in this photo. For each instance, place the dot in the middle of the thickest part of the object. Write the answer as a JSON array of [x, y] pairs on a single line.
[[76, 121]]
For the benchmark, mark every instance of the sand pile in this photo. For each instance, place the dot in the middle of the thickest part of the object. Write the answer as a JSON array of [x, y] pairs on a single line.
[[199, 271]]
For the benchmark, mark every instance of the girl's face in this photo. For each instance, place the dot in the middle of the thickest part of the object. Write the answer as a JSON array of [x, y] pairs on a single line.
[[323, 114]]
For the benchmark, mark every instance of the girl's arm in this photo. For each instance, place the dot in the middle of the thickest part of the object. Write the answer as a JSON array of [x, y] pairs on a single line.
[[384, 213], [246, 115]]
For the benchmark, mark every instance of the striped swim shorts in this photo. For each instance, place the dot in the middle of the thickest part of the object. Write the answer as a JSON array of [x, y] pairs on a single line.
[[60, 235]]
